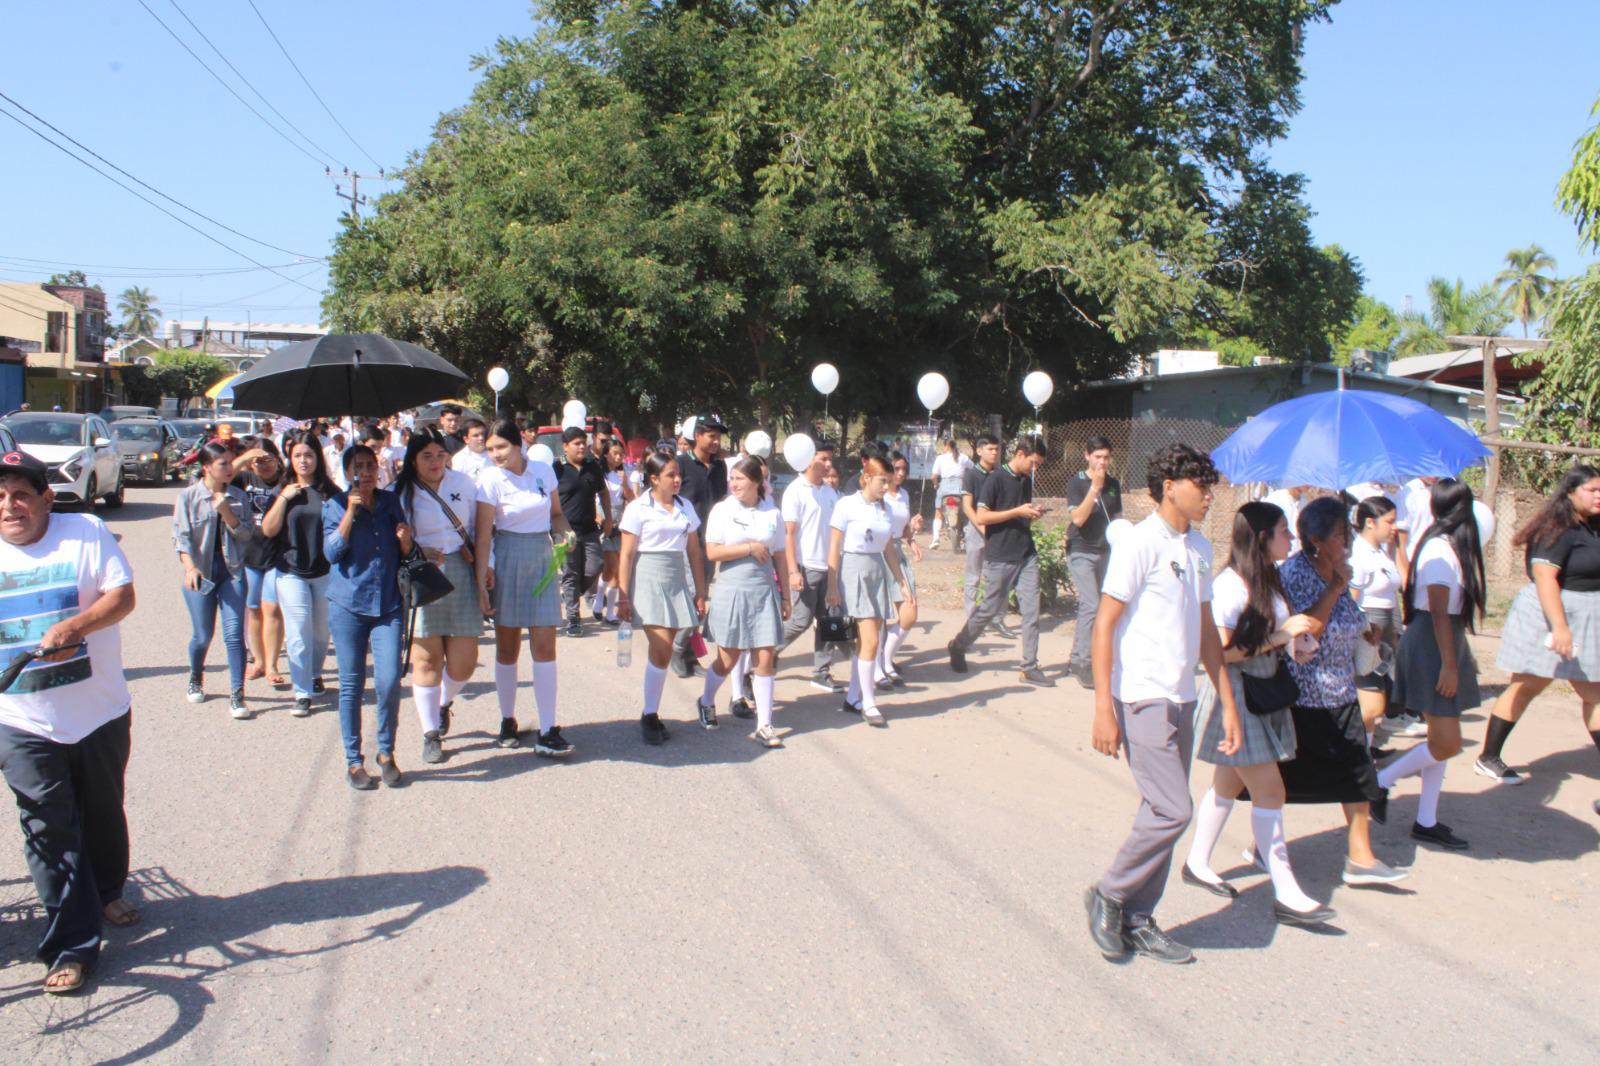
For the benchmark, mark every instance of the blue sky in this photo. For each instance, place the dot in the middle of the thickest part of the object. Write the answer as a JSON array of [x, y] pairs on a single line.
[[1433, 133]]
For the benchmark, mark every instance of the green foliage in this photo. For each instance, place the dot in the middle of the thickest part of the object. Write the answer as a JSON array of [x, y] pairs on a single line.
[[182, 374], [658, 204], [1523, 289], [71, 277], [1373, 326], [139, 311], [1054, 578], [1578, 193]]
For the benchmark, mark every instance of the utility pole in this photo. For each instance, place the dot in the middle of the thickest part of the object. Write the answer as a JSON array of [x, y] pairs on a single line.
[[357, 201]]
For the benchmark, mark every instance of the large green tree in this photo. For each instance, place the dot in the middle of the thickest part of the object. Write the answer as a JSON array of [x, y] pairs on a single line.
[[139, 311], [1522, 287], [662, 204]]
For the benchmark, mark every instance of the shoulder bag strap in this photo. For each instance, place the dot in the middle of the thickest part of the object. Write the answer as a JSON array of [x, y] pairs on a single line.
[[449, 512]]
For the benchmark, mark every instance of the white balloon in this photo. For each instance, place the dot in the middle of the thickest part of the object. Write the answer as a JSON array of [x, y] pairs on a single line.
[[1484, 514], [933, 390], [758, 443], [542, 453], [499, 379], [1037, 388], [799, 450], [1116, 530], [686, 431], [574, 413], [824, 378]]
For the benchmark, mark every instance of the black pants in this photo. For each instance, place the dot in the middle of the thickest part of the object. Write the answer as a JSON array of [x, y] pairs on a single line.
[[74, 830], [584, 563]]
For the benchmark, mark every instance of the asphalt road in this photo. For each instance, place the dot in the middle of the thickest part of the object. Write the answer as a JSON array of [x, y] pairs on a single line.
[[907, 894]]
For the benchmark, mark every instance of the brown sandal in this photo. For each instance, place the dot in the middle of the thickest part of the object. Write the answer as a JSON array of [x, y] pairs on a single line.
[[78, 974]]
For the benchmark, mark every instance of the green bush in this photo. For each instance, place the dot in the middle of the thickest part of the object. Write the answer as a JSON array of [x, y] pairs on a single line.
[[1054, 580]]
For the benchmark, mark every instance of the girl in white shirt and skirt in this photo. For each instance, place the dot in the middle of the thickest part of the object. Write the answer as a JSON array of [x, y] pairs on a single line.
[[1375, 586], [903, 528]]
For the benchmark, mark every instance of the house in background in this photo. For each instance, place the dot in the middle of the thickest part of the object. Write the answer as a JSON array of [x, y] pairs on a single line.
[[61, 332]]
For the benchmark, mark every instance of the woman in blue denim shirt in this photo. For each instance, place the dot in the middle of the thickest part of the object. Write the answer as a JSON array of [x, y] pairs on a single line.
[[365, 535], [1332, 762]]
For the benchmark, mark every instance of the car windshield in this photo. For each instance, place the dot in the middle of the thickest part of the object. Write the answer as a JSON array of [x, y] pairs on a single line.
[[189, 427], [48, 431], [135, 431]]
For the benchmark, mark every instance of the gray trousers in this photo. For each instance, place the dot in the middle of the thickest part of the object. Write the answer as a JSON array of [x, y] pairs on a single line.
[[1088, 573], [998, 581], [1158, 736], [584, 564], [803, 613], [973, 574]]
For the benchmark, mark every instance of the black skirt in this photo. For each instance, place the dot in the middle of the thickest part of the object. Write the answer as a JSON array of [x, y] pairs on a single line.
[[1332, 763]]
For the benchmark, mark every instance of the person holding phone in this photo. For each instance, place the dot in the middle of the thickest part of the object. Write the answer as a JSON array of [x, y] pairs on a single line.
[[295, 519], [365, 535], [208, 519], [1094, 501], [1006, 513]]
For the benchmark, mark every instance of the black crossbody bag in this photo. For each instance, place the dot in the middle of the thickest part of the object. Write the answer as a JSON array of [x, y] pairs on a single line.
[[1268, 695]]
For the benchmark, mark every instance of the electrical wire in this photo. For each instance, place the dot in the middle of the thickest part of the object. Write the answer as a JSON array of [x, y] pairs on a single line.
[[56, 129], [181, 221], [268, 122], [188, 271], [31, 312], [240, 75], [308, 85]]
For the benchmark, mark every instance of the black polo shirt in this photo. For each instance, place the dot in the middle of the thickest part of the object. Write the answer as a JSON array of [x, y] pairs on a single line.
[[1576, 552], [1012, 541], [578, 486], [1090, 538], [703, 485]]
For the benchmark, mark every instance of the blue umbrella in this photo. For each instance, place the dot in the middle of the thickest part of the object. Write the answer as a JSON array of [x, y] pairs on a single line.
[[1344, 437]]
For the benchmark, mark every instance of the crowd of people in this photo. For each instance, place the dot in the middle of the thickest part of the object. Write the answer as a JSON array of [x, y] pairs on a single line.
[[400, 545]]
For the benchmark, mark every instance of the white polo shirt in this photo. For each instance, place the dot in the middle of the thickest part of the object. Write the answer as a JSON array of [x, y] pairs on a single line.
[[865, 525], [810, 508], [61, 575], [948, 467], [1373, 574], [1163, 576], [472, 463], [1438, 565], [521, 502], [430, 526], [731, 522], [899, 512], [660, 529], [1414, 508]]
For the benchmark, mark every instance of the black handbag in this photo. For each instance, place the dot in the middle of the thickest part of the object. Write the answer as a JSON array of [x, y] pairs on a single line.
[[1268, 695], [832, 628], [421, 581]]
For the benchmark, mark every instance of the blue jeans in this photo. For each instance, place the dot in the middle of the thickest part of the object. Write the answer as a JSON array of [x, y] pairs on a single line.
[[227, 599], [304, 602], [353, 636]]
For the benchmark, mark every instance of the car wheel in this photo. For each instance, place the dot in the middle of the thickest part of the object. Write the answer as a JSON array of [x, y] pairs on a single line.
[[114, 498], [90, 491]]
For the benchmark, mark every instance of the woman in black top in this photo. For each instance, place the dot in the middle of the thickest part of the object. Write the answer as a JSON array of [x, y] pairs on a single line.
[[295, 519], [259, 471], [1553, 628]]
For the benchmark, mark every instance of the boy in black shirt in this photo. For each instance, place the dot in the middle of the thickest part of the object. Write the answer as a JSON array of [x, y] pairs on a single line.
[[579, 479], [1094, 500]]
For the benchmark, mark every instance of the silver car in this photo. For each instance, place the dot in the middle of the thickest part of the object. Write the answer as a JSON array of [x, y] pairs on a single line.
[[149, 448]]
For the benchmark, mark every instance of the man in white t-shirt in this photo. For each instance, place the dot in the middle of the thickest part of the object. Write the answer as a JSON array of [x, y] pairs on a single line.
[[1154, 624], [64, 717], [947, 471], [807, 509]]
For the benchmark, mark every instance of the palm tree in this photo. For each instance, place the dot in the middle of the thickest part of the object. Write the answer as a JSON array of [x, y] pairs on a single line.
[[139, 311], [1457, 310], [1526, 291]]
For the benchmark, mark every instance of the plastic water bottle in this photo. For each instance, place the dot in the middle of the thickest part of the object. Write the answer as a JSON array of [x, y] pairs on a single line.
[[625, 644]]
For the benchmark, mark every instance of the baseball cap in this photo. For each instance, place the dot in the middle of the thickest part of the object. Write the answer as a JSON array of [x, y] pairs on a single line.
[[703, 423], [29, 467]]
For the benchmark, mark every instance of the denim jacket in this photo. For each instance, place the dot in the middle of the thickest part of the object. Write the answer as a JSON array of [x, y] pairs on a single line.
[[365, 578], [195, 524]]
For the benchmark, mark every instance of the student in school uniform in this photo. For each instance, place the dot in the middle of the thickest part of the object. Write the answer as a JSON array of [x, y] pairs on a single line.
[[987, 450], [474, 458], [1375, 586], [663, 577], [620, 491], [1435, 673], [1094, 501], [808, 505], [703, 481], [947, 471], [1154, 625], [582, 481], [903, 528]]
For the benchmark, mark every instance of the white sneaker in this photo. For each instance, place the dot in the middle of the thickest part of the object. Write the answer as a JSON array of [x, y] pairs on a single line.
[[1410, 725], [767, 737], [1496, 770]]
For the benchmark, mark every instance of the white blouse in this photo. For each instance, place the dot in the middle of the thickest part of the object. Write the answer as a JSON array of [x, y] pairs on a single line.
[[1373, 574], [614, 489], [731, 522], [1438, 565], [899, 512], [430, 526], [471, 463], [660, 529], [522, 501], [866, 526]]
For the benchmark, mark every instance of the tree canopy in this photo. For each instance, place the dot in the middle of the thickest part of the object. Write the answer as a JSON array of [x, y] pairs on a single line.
[[181, 373], [653, 204]]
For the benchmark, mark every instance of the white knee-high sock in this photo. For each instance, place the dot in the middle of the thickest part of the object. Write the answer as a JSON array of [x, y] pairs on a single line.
[[714, 680], [450, 688], [853, 696], [1414, 761], [1432, 785], [613, 594], [763, 687], [869, 686], [891, 644], [426, 697], [655, 679], [938, 524], [1268, 829], [741, 667], [599, 596], [544, 693], [1209, 817], [505, 688]]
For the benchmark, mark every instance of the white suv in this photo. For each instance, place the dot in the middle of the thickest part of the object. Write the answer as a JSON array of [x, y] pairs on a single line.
[[83, 459]]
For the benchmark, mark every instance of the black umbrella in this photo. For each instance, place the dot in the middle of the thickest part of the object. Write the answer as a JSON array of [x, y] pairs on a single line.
[[345, 374]]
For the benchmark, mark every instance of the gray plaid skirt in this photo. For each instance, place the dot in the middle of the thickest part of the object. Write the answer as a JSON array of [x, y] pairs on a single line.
[[1416, 670], [663, 591], [1387, 619], [897, 592], [1522, 647], [1263, 738], [744, 610], [520, 563], [866, 586], [457, 615]]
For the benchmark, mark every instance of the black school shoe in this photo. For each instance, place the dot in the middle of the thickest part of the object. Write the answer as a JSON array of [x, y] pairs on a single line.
[[742, 709], [1105, 923], [552, 745], [654, 732], [1147, 939], [1439, 834], [508, 734]]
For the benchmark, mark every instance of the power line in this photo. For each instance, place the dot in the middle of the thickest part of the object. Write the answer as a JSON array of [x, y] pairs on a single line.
[[31, 312], [148, 275], [181, 221], [308, 85], [197, 271], [240, 75], [185, 46], [147, 185]]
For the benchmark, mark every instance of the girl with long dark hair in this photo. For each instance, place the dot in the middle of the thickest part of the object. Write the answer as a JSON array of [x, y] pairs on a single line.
[[208, 519], [620, 488], [1553, 628], [1252, 618], [441, 503], [903, 527], [1375, 586], [295, 518], [259, 471], [1435, 673], [663, 579]]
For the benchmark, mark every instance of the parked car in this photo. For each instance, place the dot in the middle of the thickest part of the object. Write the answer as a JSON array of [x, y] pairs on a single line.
[[191, 432], [8, 443], [149, 448], [118, 413], [83, 459]]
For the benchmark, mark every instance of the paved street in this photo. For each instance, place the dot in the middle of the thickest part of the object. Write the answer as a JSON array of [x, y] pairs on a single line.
[[909, 894]]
